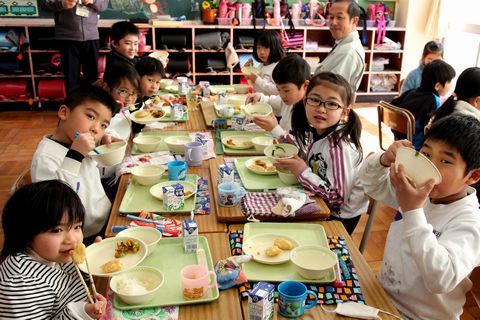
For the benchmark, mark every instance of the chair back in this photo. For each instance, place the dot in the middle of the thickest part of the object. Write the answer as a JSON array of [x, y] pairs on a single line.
[[396, 118], [23, 179]]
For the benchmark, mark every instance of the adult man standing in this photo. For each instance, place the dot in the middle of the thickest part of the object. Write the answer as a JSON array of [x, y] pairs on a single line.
[[347, 57], [76, 26]]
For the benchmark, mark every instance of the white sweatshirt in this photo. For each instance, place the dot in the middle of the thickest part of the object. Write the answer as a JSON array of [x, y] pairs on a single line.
[[429, 253], [264, 82], [333, 174], [50, 162]]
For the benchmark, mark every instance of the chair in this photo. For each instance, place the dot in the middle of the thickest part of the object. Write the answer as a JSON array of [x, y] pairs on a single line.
[[371, 212], [395, 118], [23, 179]]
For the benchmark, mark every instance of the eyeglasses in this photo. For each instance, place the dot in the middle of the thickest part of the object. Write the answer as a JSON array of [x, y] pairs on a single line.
[[330, 105], [122, 92]]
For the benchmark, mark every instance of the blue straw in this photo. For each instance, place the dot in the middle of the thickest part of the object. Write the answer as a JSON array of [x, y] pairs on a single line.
[[132, 217]]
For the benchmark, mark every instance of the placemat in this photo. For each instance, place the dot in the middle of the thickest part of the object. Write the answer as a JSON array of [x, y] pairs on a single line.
[[202, 201], [327, 293]]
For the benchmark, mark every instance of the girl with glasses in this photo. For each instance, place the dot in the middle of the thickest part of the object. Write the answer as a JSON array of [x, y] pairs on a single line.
[[327, 130]]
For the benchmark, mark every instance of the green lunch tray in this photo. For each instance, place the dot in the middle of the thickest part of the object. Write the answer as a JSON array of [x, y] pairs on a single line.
[[305, 234], [138, 198], [169, 257], [163, 134], [242, 152], [256, 182]]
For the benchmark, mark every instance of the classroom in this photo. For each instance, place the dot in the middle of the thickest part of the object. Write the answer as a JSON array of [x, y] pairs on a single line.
[[248, 159]]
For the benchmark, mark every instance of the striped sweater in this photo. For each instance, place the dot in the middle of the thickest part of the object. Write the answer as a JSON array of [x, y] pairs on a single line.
[[30, 289], [333, 175]]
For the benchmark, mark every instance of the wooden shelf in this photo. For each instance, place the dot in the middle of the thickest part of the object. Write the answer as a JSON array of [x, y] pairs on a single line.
[[198, 57]]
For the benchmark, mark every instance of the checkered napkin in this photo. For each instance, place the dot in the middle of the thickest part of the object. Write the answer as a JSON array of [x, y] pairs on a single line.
[[260, 204], [326, 293]]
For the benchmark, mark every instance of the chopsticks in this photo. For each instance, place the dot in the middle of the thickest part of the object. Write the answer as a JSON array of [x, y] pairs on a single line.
[[79, 255]]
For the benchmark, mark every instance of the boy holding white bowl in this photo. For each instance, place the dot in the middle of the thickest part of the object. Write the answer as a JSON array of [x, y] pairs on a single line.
[[291, 76], [63, 155], [432, 247]]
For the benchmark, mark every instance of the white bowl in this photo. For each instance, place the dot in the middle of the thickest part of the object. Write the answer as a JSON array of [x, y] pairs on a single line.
[[280, 151], [176, 144], [225, 110], [260, 143], [149, 235], [287, 177], [147, 143], [148, 174], [110, 154], [144, 283], [312, 261], [165, 83], [418, 168], [241, 88], [258, 109]]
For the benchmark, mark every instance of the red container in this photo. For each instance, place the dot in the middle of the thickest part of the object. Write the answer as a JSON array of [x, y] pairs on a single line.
[[14, 89], [51, 89]]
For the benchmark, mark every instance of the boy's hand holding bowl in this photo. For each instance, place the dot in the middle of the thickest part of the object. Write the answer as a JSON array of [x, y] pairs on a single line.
[[83, 143], [413, 176]]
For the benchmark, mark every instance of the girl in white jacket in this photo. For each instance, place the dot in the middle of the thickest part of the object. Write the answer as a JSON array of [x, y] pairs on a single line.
[[328, 133], [267, 50]]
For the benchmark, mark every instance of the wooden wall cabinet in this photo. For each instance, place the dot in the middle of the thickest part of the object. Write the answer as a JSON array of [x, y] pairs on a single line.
[[43, 47]]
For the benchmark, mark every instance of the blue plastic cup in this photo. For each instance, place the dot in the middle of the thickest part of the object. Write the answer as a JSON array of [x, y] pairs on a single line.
[[177, 170]]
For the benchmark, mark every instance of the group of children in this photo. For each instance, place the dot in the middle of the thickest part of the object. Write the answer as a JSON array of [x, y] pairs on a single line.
[[431, 248]]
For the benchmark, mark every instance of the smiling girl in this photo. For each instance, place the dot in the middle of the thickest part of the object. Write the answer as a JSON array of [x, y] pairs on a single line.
[[42, 223], [328, 133]]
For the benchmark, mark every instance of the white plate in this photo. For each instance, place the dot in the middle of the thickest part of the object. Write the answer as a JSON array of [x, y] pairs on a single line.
[[216, 89], [239, 142], [251, 161], [257, 245], [157, 190], [102, 252], [148, 119]]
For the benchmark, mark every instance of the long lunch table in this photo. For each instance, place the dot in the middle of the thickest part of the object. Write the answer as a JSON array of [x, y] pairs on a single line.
[[373, 293]]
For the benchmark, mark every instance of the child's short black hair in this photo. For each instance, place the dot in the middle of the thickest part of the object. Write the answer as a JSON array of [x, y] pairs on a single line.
[[291, 69], [461, 132], [149, 66], [81, 94], [36, 208], [121, 29], [269, 39], [120, 70], [432, 47], [437, 71]]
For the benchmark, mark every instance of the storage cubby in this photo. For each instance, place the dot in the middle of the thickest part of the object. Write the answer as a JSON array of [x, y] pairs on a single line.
[[186, 58]]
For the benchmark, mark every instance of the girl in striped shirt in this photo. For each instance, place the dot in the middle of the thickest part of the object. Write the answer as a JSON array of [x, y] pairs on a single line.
[[42, 223], [327, 131]]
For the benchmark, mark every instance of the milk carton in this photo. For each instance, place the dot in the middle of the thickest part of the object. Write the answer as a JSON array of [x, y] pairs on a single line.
[[190, 235], [173, 197], [225, 174], [260, 302]]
